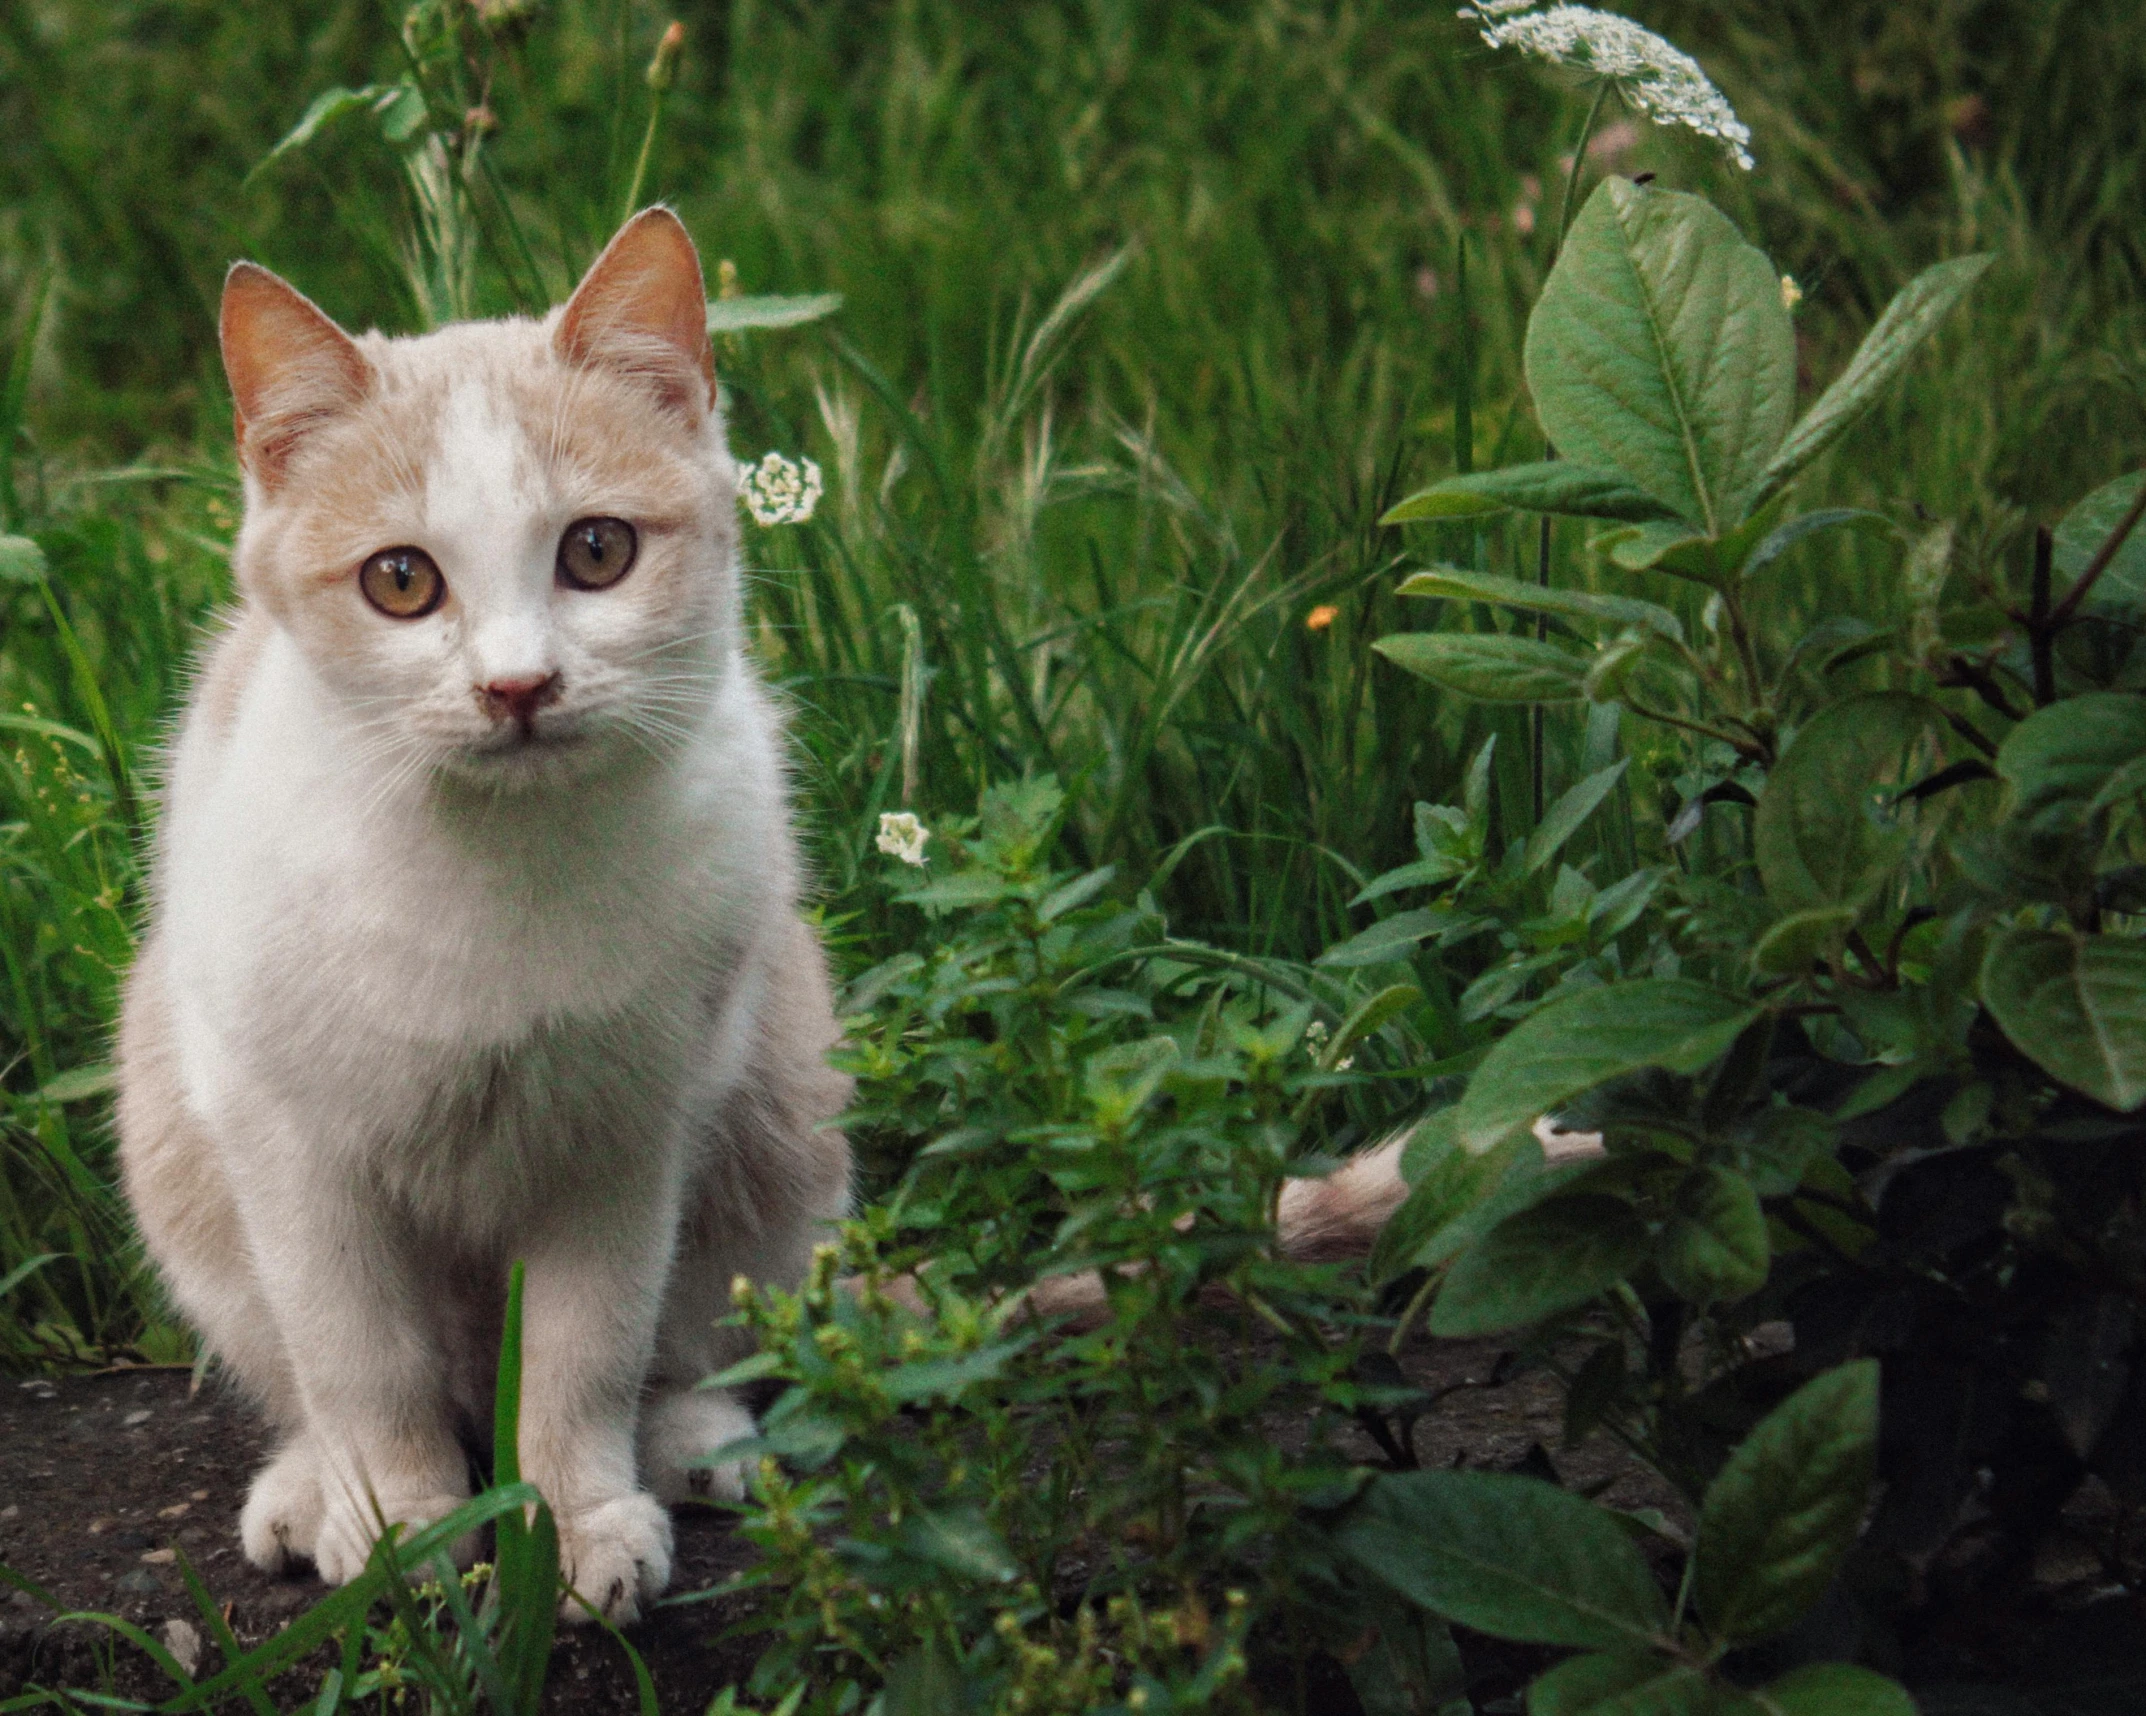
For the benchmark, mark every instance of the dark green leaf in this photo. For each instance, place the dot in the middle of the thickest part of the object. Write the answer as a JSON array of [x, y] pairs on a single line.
[[1660, 347], [1712, 1248], [2075, 1006], [1541, 1262], [1779, 541], [1909, 319], [324, 109], [1586, 1038], [1446, 1189], [1779, 1518], [1563, 819], [1489, 666], [1830, 829], [2072, 749], [1834, 1689], [1555, 485], [1388, 939], [1793, 944], [961, 1541], [1510, 1556], [1625, 1685], [1459, 586]]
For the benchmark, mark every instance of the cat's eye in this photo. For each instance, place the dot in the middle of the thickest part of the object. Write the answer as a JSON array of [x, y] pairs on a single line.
[[403, 583], [596, 553]]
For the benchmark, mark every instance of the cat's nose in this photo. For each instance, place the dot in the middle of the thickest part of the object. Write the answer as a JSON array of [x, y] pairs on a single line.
[[518, 698]]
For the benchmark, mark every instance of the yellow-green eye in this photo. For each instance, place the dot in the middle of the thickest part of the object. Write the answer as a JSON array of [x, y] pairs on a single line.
[[402, 583], [596, 553]]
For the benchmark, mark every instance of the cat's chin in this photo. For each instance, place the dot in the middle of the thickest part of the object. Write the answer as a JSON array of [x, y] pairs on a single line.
[[528, 764]]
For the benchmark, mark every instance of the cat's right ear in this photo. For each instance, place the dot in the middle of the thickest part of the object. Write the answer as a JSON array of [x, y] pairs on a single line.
[[291, 369]]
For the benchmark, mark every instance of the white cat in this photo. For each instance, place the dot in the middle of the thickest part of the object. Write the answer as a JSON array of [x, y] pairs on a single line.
[[474, 932]]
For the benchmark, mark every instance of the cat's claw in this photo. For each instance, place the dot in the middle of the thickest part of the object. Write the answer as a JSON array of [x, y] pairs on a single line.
[[280, 1522], [615, 1557]]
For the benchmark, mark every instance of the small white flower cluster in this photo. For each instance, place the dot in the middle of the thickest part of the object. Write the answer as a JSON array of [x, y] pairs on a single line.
[[781, 491], [902, 836], [1657, 77]]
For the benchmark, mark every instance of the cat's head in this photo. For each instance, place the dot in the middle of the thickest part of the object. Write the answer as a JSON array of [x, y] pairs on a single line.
[[508, 548]]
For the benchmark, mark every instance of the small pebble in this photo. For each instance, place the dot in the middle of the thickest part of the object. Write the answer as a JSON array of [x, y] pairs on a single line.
[[159, 1557], [173, 1511], [200, 1495], [141, 1415], [184, 1643], [11, 1510], [141, 1580]]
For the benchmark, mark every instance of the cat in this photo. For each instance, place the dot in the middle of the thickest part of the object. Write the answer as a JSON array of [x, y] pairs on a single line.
[[473, 931]]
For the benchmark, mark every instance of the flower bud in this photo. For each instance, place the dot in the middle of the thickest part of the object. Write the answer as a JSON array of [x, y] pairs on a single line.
[[663, 69]]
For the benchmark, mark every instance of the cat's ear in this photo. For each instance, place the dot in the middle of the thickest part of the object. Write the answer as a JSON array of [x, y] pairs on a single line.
[[642, 310], [290, 367]]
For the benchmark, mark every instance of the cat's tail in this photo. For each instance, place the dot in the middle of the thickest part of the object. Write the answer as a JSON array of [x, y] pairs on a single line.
[[1323, 1219]]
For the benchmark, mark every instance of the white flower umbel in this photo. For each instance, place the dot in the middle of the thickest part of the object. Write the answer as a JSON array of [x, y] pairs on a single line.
[[902, 836], [781, 491], [1657, 77]]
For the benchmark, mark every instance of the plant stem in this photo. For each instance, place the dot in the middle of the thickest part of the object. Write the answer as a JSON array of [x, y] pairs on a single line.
[[2103, 555], [2041, 638]]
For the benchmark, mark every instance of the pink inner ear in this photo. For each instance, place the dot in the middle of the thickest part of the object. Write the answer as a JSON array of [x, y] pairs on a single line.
[[290, 367], [642, 310]]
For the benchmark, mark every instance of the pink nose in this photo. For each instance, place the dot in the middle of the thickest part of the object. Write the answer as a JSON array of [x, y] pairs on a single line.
[[518, 699]]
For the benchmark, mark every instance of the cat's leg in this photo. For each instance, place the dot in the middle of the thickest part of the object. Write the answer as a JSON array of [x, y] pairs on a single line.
[[595, 1269], [772, 1179], [189, 1221]]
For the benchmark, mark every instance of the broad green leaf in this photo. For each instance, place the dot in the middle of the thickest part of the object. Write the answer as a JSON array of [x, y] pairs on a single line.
[[961, 1541], [1388, 939], [1671, 548], [1712, 1249], [1627, 1685], [736, 315], [1578, 1041], [1830, 828], [1543, 1261], [2121, 589], [1563, 819], [1451, 582], [1555, 485], [927, 1682], [1779, 541], [1423, 873], [1834, 1689], [1372, 1013], [1446, 1189], [21, 560], [1513, 1557], [1660, 348], [1792, 945], [2071, 749], [1909, 319], [79, 1084], [2075, 1006], [1488, 666], [1782, 1514]]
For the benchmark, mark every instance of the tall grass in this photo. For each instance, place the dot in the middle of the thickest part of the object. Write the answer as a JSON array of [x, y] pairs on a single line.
[[1149, 312]]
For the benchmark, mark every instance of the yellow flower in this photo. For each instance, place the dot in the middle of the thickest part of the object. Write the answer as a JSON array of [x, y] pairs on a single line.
[[1791, 293], [1324, 615]]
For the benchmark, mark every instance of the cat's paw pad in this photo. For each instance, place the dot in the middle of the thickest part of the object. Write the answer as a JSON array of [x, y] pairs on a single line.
[[616, 1556], [351, 1524], [679, 1432], [280, 1523]]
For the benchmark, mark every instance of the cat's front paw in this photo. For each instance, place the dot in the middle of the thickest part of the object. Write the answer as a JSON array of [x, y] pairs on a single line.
[[351, 1523], [280, 1523], [615, 1557], [678, 1434]]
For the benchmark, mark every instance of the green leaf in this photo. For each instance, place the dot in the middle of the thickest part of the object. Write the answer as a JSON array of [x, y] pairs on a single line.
[[1778, 542], [736, 315], [2072, 749], [1488, 666], [1554, 485], [2121, 588], [1581, 1040], [961, 1541], [1830, 828], [1660, 348], [1388, 939], [21, 560], [1792, 945], [1456, 585], [1909, 319], [1834, 1689], [1671, 548], [1782, 1514], [80, 1084], [1539, 1263], [1447, 1187], [1622, 1686], [2075, 1006], [324, 109], [1373, 1013], [1563, 819], [1513, 1557], [1712, 1249]]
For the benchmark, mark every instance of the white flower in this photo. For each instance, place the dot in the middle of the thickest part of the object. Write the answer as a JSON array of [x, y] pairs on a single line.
[[778, 491], [902, 836], [1791, 293], [1658, 78]]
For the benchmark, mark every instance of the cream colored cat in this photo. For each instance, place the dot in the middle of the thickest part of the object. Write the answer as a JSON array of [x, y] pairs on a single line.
[[474, 932]]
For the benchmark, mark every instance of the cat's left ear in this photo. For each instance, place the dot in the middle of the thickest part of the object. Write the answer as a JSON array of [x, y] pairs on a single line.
[[642, 309]]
